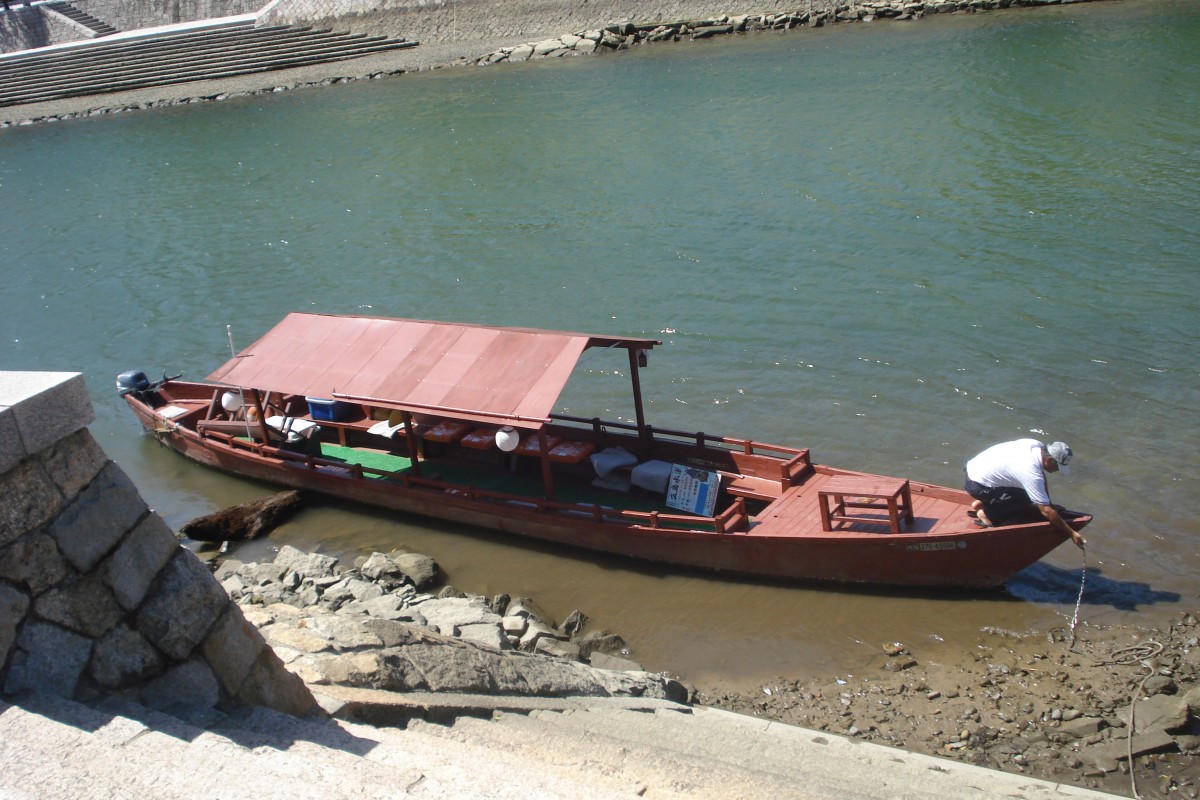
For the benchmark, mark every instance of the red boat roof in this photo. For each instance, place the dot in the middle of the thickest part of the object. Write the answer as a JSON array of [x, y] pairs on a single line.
[[487, 374]]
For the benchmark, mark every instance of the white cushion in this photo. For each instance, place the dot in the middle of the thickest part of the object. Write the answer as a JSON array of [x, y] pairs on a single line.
[[300, 427], [652, 475], [606, 461], [385, 428]]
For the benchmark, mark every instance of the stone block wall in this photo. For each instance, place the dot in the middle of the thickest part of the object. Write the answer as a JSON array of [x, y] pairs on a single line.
[[126, 16], [31, 26], [97, 596], [24, 28]]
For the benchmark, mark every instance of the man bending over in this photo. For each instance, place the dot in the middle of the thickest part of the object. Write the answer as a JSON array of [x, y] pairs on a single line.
[[1008, 482]]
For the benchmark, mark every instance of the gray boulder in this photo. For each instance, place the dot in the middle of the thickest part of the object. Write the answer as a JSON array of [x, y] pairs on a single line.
[[307, 565], [1160, 713], [421, 570]]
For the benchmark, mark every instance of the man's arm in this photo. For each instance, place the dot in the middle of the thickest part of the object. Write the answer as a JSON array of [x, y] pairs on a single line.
[[1055, 519]]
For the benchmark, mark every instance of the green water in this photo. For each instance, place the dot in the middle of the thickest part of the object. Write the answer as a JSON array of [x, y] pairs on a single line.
[[893, 243]]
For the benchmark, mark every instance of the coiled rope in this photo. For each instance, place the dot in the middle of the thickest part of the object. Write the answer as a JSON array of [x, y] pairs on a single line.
[[1140, 653]]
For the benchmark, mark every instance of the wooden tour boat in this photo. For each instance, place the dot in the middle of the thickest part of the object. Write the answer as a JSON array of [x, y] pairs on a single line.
[[455, 422]]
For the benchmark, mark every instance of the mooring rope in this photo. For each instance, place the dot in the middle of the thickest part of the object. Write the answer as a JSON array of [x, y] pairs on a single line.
[[1079, 599]]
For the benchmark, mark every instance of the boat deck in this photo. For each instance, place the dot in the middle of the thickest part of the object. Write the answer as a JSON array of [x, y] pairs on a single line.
[[799, 509]]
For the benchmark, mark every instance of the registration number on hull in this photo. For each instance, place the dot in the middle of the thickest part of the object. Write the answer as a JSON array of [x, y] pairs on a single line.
[[930, 546]]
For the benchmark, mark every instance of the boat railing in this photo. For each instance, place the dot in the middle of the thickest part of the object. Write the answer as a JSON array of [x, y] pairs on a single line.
[[759, 470], [699, 439], [729, 520]]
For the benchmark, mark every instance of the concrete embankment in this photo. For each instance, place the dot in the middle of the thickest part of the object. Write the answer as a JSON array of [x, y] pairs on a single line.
[[481, 33]]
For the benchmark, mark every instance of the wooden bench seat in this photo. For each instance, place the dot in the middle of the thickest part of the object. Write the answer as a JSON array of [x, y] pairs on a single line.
[[571, 452], [532, 446], [479, 439], [446, 432]]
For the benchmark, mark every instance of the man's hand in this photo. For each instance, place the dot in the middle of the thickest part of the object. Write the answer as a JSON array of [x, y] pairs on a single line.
[[1054, 518]]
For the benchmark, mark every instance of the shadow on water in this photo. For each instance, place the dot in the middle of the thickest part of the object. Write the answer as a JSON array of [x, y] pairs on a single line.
[[1046, 583]]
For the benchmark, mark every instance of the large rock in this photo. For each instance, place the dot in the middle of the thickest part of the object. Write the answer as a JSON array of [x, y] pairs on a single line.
[[450, 614], [74, 462], [1192, 699], [146, 550], [84, 605], [183, 605], [48, 659], [407, 657], [123, 658], [13, 605], [33, 561], [248, 520], [231, 648], [186, 685], [306, 565], [401, 640], [521, 53], [28, 499], [1160, 713], [421, 570], [90, 527]]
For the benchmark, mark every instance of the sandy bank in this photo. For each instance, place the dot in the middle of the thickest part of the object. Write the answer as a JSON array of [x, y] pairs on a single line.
[[464, 32]]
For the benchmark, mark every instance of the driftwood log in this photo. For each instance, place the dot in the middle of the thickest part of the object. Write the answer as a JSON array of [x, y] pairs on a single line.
[[245, 521]]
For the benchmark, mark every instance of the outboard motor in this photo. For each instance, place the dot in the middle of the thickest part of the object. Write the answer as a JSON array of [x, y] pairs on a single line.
[[132, 382]]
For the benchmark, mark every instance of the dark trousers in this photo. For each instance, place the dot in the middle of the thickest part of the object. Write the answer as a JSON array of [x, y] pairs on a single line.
[[1004, 505]]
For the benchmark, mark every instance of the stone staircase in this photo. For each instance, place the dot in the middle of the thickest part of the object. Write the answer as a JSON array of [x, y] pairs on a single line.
[[584, 748], [82, 17], [110, 65]]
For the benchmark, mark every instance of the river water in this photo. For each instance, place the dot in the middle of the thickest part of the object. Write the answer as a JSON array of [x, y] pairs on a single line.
[[894, 243]]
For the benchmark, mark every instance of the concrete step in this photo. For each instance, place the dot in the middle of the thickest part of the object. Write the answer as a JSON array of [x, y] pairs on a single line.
[[668, 768], [486, 771], [719, 755], [57, 56], [396, 709], [154, 48], [94, 754], [52, 748], [130, 53], [206, 55], [167, 78], [673, 749], [177, 58], [82, 17], [698, 735]]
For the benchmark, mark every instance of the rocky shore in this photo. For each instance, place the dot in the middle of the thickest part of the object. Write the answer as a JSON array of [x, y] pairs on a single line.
[[462, 43], [1055, 705], [1046, 704], [371, 626]]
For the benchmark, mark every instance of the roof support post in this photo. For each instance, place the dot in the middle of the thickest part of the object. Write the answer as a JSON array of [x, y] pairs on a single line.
[[547, 475], [256, 398], [413, 443], [644, 434]]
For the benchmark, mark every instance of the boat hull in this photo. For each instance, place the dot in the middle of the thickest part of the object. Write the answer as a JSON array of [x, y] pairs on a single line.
[[966, 557]]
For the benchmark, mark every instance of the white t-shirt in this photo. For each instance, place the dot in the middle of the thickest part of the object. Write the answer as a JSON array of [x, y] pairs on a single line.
[[1016, 463]]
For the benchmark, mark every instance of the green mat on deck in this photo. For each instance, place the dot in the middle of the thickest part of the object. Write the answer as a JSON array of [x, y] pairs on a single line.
[[492, 480], [366, 458]]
